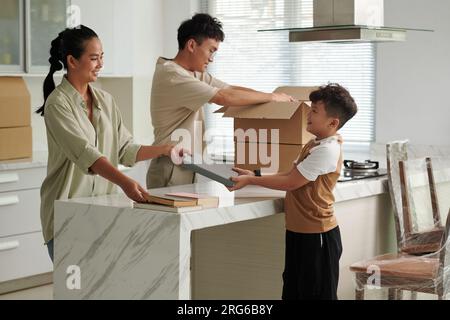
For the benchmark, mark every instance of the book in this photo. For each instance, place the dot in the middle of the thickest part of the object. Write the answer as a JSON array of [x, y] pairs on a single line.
[[161, 207], [171, 201], [188, 164], [206, 201]]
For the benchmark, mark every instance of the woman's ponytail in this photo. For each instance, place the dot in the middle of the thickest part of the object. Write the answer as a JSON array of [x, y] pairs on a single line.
[[56, 64]]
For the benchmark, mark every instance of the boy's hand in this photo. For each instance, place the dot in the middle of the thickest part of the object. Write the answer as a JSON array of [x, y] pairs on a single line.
[[240, 182], [243, 172]]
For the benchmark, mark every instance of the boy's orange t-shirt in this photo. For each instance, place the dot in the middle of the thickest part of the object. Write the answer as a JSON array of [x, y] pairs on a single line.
[[310, 209]]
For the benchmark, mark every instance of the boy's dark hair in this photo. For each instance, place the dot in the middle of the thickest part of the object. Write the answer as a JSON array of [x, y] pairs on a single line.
[[200, 27], [337, 101]]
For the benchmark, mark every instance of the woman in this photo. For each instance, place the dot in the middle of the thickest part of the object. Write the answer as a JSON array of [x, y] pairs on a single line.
[[85, 133]]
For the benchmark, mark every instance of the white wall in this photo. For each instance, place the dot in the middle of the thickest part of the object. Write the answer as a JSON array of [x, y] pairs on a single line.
[[147, 47], [175, 12], [413, 78]]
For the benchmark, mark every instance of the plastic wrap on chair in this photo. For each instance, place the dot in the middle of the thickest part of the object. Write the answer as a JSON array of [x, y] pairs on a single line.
[[422, 227], [424, 274], [396, 151]]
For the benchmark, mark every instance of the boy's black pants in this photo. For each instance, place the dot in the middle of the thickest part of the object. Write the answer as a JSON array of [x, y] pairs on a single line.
[[311, 268]]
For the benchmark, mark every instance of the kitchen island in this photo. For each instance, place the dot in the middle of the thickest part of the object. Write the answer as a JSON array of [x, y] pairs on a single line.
[[105, 249]]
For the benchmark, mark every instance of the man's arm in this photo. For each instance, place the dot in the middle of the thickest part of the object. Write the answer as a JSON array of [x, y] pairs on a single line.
[[242, 97], [242, 88]]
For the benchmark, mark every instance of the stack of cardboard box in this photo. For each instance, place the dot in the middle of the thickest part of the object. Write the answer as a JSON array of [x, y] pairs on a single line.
[[15, 119], [271, 135]]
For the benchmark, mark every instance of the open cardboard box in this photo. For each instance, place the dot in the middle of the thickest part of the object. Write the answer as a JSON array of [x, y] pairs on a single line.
[[282, 123], [289, 118]]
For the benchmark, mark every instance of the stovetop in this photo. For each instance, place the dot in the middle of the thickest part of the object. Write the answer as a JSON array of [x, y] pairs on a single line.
[[354, 170]]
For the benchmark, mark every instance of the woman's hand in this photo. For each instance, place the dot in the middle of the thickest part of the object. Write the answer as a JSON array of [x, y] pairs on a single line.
[[176, 153], [134, 191], [243, 172]]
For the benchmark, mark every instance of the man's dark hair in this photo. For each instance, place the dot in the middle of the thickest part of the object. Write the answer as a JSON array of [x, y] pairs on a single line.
[[200, 27], [337, 101]]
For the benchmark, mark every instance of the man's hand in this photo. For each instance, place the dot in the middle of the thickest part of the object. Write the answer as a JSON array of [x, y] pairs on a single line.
[[240, 182], [243, 172], [282, 97], [134, 191]]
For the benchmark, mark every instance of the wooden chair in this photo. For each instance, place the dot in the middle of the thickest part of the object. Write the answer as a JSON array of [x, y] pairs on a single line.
[[414, 239], [409, 241], [427, 273]]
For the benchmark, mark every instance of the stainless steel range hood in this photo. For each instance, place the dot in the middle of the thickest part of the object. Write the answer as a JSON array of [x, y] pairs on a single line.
[[343, 21], [347, 33]]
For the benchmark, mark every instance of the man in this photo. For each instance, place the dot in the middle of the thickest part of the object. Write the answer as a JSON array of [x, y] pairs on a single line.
[[181, 86]]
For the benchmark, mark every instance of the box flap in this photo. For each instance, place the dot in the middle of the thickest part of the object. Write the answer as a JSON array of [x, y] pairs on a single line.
[[221, 110], [300, 93], [271, 110]]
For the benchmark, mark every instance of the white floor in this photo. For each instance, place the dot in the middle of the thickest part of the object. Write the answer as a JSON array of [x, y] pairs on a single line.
[[46, 293], [37, 293]]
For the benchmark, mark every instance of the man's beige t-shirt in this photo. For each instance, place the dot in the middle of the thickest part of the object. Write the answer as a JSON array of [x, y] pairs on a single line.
[[177, 98], [74, 144]]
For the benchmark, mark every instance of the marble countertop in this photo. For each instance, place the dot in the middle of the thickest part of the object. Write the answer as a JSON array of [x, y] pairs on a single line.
[[344, 191]]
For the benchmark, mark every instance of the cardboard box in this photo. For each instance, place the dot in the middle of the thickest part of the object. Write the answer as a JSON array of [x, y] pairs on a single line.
[[261, 123], [15, 143], [348, 12], [272, 158], [15, 105]]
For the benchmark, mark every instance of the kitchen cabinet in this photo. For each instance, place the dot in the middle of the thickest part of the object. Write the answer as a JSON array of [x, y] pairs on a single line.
[[26, 31], [11, 36], [44, 20], [22, 250]]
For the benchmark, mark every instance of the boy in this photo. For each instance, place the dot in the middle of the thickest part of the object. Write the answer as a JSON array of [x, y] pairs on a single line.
[[313, 241]]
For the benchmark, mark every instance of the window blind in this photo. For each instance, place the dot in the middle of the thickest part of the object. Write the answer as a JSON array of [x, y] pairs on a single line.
[[266, 60]]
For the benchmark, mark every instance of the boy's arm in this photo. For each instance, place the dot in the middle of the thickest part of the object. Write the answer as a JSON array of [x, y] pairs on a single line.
[[322, 160], [288, 182]]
